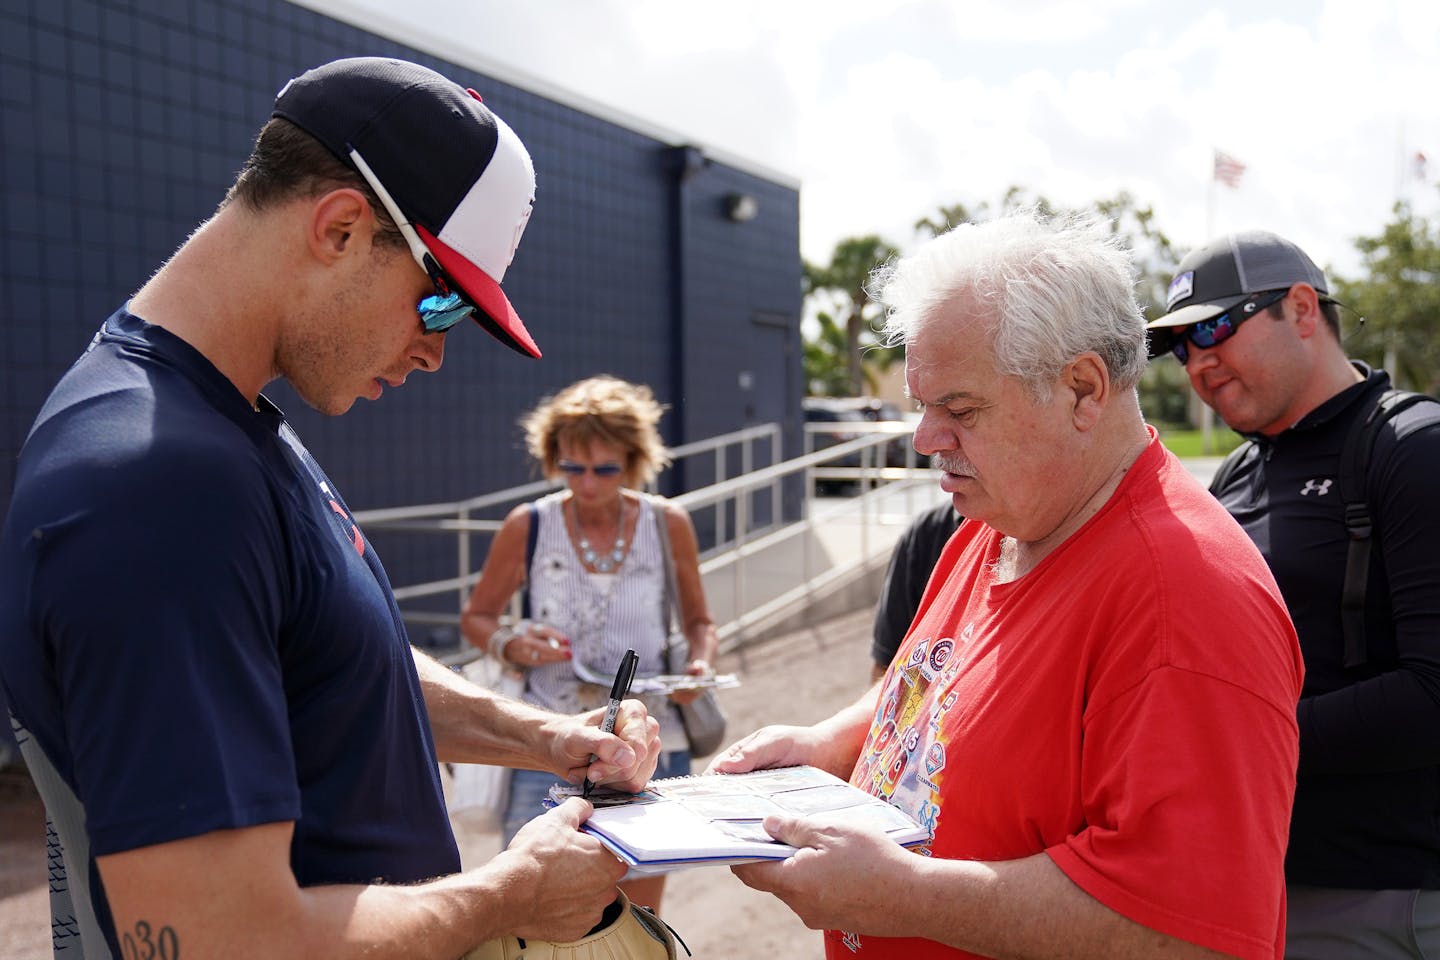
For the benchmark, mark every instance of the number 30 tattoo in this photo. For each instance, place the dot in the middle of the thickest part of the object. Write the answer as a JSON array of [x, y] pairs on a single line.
[[146, 944]]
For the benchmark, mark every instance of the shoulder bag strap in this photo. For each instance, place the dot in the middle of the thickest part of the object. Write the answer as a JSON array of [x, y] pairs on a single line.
[[670, 599], [530, 537], [670, 614]]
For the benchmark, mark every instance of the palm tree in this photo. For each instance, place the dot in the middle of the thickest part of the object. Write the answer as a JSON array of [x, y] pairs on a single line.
[[1401, 299], [844, 280]]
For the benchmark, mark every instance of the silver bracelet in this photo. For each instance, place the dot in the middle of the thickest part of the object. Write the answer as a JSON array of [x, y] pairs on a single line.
[[502, 636], [495, 646]]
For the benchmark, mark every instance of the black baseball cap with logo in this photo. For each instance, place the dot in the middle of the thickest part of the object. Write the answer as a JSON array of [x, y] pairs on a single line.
[[453, 176], [1227, 271]]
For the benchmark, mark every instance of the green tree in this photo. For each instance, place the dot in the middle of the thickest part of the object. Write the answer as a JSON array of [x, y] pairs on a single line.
[[837, 293], [1165, 394], [949, 217], [1155, 256], [827, 368], [1164, 389], [1399, 299], [842, 283]]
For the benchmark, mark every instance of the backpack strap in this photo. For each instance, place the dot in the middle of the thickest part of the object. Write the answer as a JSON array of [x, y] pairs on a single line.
[[1354, 493]]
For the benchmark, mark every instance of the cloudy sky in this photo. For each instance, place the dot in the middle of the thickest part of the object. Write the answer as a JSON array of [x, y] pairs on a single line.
[[885, 110]]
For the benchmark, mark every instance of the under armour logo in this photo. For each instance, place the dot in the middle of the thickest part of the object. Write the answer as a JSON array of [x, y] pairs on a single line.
[[1317, 487]]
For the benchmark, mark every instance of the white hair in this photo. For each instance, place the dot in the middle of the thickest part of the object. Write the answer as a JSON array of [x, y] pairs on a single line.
[[1051, 288]]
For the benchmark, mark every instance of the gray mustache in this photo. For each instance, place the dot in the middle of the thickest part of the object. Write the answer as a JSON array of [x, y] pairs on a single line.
[[953, 464]]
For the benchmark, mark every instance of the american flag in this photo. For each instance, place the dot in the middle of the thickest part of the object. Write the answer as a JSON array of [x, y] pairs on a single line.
[[1228, 170]]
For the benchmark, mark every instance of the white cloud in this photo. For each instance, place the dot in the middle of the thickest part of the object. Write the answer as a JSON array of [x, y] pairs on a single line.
[[886, 111]]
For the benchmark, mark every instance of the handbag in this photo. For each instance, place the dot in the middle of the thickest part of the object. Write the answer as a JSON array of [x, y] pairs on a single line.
[[702, 718], [481, 791]]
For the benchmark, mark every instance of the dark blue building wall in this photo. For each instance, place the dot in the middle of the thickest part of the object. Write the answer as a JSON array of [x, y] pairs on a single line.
[[122, 124], [737, 345]]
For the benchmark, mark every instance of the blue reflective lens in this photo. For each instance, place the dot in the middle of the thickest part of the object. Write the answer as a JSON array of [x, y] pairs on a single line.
[[573, 469], [440, 313], [1218, 329]]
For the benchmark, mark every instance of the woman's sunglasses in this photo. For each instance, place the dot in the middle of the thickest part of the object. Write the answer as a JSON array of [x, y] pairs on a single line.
[[1218, 329], [572, 469]]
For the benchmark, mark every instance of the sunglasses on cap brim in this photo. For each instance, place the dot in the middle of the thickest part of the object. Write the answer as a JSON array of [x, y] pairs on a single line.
[[446, 306], [1213, 331]]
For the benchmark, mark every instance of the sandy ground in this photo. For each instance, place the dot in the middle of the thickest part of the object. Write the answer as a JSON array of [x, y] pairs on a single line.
[[796, 678]]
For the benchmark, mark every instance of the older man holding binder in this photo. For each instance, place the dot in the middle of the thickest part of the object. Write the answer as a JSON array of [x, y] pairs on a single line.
[[1094, 709]]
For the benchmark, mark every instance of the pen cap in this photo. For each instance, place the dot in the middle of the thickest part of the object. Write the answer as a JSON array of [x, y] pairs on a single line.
[[625, 675]]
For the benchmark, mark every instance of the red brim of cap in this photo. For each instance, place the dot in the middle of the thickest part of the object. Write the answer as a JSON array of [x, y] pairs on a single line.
[[495, 313]]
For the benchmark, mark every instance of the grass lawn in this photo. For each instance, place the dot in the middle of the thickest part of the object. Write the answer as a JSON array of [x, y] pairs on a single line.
[[1190, 443]]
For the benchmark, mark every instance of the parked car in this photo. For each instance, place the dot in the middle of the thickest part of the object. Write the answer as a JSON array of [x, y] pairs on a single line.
[[817, 410], [823, 410], [861, 408]]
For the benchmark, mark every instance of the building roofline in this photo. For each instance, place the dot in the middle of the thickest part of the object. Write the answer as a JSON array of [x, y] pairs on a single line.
[[448, 48]]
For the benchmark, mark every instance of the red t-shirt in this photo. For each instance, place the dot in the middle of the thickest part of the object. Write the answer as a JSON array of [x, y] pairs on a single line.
[[1127, 707]]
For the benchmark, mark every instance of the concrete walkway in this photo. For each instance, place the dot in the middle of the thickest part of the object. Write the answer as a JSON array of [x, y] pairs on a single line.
[[803, 573], [794, 678]]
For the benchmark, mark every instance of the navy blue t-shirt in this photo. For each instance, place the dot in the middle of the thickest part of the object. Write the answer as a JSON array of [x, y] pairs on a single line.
[[196, 635]]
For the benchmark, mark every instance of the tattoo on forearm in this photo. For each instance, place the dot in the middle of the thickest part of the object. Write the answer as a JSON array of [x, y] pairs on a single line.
[[147, 943]]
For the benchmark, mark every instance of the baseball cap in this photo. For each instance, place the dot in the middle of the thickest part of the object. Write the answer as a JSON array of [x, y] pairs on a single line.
[[1226, 271], [455, 178]]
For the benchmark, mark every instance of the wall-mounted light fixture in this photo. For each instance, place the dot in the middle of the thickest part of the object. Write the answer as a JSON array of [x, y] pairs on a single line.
[[741, 207]]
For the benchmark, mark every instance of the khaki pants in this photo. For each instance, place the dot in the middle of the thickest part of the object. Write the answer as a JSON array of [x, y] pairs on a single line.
[[1328, 924]]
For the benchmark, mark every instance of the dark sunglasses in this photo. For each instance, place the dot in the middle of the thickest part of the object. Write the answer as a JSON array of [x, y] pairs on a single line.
[[445, 307], [572, 469], [1218, 329]]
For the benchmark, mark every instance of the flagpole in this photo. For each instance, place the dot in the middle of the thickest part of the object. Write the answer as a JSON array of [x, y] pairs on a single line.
[[1207, 416], [1400, 164], [1229, 171], [1210, 209]]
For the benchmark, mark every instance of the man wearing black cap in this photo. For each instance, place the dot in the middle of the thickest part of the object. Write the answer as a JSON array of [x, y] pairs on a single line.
[[1252, 320], [203, 657]]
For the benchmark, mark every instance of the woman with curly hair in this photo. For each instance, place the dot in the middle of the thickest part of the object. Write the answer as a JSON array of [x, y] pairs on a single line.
[[596, 578]]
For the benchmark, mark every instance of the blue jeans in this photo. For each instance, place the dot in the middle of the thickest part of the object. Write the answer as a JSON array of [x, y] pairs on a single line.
[[528, 789]]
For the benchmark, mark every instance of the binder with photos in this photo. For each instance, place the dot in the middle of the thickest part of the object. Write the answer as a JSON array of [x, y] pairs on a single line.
[[718, 819]]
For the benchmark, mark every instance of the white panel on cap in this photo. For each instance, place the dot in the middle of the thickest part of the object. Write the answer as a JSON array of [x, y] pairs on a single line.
[[1181, 287], [486, 225]]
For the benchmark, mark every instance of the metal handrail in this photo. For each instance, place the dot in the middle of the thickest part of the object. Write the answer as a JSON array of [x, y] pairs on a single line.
[[728, 494], [457, 519], [392, 515]]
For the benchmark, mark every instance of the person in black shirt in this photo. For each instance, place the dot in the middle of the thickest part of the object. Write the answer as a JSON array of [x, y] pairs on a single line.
[[910, 566], [1363, 864]]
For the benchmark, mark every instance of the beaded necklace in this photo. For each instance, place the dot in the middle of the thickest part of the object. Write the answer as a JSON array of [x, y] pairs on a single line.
[[603, 563]]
